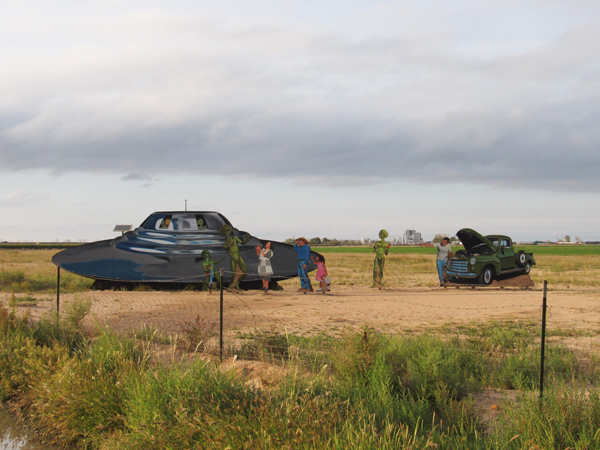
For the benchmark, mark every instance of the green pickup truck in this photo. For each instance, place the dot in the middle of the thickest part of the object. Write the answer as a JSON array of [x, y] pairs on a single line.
[[487, 257]]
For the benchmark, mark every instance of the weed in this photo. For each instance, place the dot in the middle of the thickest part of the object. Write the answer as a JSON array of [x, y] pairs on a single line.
[[269, 345], [65, 329], [199, 332], [151, 333]]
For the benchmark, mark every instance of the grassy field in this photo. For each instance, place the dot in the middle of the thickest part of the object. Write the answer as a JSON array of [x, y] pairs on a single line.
[[31, 270], [564, 267], [365, 390]]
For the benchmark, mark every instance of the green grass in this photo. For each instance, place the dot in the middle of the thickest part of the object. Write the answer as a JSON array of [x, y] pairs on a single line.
[[561, 250], [567, 418], [366, 390]]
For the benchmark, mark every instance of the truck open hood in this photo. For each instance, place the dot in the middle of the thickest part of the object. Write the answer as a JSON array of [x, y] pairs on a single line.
[[471, 239]]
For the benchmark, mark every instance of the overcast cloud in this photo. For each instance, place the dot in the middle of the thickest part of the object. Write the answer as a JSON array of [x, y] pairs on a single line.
[[504, 94], [162, 88]]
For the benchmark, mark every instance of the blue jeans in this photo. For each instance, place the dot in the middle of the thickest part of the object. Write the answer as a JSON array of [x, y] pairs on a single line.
[[303, 275], [441, 263]]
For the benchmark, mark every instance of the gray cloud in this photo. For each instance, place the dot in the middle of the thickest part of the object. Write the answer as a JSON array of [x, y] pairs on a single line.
[[137, 176], [263, 100]]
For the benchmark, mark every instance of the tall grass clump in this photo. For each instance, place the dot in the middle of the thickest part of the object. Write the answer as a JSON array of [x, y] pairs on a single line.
[[421, 382], [34, 350], [69, 387], [23, 363], [15, 346], [66, 328], [177, 406], [568, 416], [198, 407], [82, 401], [511, 354]]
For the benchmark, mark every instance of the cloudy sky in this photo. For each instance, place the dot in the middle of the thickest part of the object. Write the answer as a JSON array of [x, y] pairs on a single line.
[[329, 118]]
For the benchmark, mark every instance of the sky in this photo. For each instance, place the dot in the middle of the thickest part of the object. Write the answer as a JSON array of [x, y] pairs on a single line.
[[331, 118]]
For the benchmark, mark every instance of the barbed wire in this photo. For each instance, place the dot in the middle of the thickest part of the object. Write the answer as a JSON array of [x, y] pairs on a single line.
[[195, 316]]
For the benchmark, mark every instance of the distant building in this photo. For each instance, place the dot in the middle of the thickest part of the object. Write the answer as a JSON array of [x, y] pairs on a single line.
[[411, 237]]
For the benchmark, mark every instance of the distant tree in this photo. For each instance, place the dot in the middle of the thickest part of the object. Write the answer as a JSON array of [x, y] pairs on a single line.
[[568, 238], [315, 241], [325, 241], [289, 241], [438, 238]]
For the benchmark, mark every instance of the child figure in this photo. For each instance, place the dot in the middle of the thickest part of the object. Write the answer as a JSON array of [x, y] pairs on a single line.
[[322, 277], [209, 268]]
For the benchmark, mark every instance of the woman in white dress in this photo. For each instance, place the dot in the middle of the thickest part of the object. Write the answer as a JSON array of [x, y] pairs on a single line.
[[264, 264]]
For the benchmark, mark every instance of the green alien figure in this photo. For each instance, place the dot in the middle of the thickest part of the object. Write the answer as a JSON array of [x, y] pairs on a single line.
[[381, 249], [208, 264], [232, 246]]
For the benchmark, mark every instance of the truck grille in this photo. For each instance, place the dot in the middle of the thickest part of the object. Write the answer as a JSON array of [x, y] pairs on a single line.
[[458, 267]]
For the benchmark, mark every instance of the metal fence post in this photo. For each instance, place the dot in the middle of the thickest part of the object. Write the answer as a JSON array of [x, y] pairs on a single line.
[[58, 292], [544, 307], [221, 317]]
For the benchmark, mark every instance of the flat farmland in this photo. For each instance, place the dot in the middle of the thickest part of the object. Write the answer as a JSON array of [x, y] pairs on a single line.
[[412, 301]]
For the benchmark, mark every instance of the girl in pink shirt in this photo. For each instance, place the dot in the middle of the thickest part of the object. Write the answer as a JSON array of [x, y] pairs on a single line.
[[322, 277]]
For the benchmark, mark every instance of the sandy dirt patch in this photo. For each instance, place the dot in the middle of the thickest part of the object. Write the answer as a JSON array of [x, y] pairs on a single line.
[[345, 307]]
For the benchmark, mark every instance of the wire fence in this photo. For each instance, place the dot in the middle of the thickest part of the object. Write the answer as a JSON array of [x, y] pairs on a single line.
[[254, 325]]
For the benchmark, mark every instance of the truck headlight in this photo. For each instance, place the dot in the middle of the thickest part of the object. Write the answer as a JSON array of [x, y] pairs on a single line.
[[472, 261]]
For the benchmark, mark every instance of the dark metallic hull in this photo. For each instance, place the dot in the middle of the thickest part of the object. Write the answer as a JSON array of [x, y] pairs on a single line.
[[151, 256]]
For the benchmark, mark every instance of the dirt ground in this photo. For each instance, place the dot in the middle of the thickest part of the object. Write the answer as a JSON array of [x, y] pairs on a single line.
[[416, 309], [345, 307]]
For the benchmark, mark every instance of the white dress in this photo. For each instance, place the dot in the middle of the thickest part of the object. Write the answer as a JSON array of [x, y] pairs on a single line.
[[264, 264]]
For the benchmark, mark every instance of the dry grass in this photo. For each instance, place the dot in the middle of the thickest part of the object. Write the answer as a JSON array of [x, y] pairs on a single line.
[[38, 270], [401, 270], [31, 262], [417, 270], [565, 272], [404, 270]]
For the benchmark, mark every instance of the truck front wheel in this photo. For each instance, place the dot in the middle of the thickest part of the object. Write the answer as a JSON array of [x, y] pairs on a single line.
[[487, 276]]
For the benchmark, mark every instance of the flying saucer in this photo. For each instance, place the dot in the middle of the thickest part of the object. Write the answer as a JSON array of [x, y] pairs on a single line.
[[167, 248]]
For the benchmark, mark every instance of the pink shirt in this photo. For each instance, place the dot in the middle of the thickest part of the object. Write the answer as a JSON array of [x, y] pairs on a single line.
[[321, 271]]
